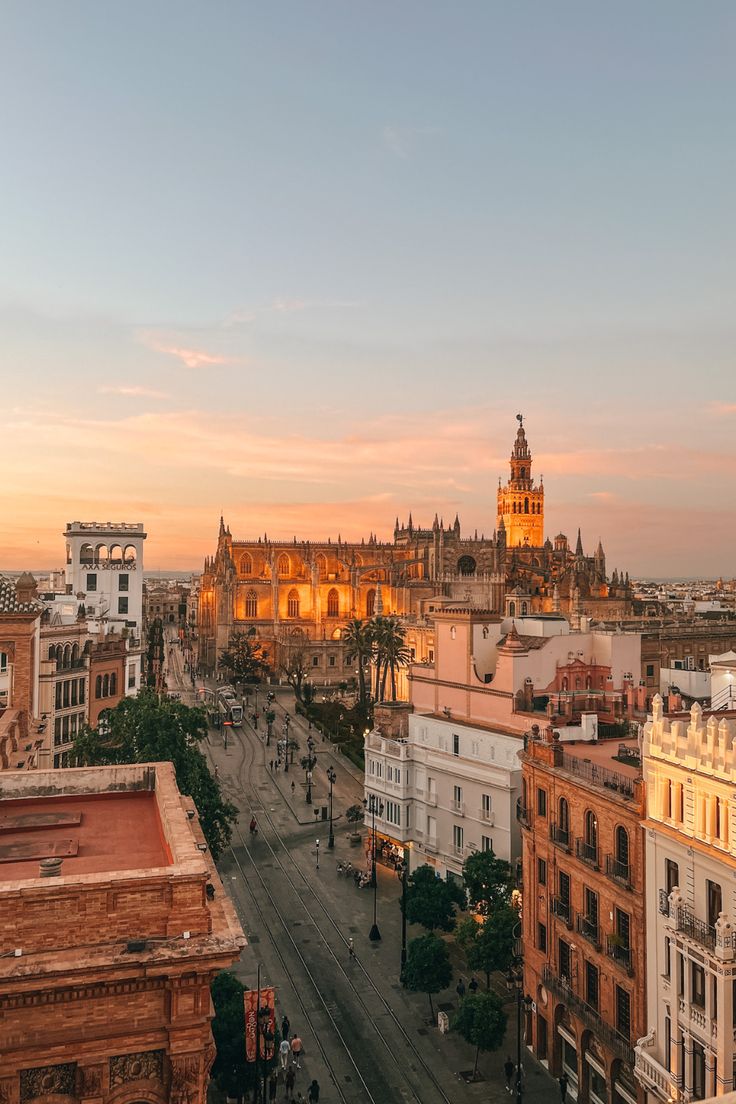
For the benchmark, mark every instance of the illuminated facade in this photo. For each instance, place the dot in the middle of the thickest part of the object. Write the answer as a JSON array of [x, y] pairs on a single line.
[[688, 1050], [520, 502]]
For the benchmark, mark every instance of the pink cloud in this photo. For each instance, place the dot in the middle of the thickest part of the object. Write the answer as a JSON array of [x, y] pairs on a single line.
[[133, 392], [192, 358], [722, 409]]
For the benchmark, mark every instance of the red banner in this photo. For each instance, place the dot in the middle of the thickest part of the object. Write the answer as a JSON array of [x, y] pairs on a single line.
[[266, 1032]]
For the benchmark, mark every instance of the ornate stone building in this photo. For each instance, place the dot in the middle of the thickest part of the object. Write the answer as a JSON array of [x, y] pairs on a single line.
[[114, 923], [306, 591]]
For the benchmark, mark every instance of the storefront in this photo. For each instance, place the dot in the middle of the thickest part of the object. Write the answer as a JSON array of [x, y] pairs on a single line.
[[389, 851]]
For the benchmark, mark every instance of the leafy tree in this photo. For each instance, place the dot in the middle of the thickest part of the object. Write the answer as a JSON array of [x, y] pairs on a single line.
[[487, 881], [230, 1070], [489, 947], [294, 667], [149, 729], [357, 637], [355, 814], [389, 652], [245, 659], [428, 968], [481, 1021], [430, 901]]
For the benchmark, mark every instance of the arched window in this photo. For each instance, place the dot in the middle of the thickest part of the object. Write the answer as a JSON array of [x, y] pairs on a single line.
[[588, 682], [116, 554], [333, 604], [321, 565], [283, 566], [565, 684], [52, 651], [86, 554], [513, 508], [512, 609], [98, 686], [113, 684], [105, 686], [292, 604], [102, 554], [246, 564], [524, 609], [526, 505], [370, 603], [251, 604], [130, 555], [563, 815], [75, 655], [67, 657], [591, 830], [621, 842], [522, 473], [466, 565], [59, 657]]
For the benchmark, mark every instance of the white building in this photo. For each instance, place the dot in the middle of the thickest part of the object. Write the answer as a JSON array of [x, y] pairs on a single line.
[[447, 788], [690, 774]]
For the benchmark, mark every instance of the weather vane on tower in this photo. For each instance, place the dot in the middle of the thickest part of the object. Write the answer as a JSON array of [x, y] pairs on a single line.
[[520, 419]]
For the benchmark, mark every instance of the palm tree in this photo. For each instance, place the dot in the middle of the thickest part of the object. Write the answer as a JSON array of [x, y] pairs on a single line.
[[358, 639], [390, 653]]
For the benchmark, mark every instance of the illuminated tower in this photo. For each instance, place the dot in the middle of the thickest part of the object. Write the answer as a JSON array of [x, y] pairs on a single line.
[[520, 503]]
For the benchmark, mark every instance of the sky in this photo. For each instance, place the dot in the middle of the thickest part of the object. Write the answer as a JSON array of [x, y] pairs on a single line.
[[303, 263]]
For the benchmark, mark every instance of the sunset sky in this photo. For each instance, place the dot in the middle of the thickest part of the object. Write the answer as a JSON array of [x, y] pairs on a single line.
[[302, 263]]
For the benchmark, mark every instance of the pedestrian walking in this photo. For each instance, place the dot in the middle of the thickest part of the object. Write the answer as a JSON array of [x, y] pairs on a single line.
[[272, 766], [296, 1051], [272, 1084], [460, 988], [508, 1070], [351, 949], [284, 1052], [285, 1025], [290, 1080], [293, 787], [473, 986], [313, 1096], [562, 1082]]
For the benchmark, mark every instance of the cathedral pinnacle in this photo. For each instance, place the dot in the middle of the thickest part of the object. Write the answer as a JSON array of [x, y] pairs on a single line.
[[579, 546]]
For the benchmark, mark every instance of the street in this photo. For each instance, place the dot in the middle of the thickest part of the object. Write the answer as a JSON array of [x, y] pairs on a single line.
[[366, 1039]]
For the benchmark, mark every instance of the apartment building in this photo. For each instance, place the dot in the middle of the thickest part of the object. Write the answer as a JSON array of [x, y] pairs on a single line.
[[688, 1050]]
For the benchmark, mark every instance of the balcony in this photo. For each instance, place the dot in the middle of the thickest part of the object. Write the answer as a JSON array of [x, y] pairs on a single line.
[[699, 930], [587, 852], [560, 836], [654, 1077], [664, 903], [589, 929], [487, 817], [619, 953], [430, 844], [608, 1035], [622, 784], [618, 871], [522, 815], [458, 807], [563, 910]]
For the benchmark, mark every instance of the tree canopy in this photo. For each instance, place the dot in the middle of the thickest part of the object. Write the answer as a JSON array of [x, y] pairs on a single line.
[[487, 880], [357, 638], [232, 1073], [489, 946], [481, 1021], [389, 652], [150, 729], [245, 659], [431, 901], [428, 968]]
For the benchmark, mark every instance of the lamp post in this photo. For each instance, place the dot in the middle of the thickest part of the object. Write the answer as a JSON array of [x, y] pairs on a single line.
[[317, 843], [309, 781], [331, 776], [402, 869], [374, 805], [515, 983]]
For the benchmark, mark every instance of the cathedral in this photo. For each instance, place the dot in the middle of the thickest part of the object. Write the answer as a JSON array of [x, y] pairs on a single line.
[[303, 592]]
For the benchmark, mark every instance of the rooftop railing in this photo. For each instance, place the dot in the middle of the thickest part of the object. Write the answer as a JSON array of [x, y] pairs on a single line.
[[599, 776]]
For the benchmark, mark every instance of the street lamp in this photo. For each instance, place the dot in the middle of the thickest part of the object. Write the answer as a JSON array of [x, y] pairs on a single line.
[[317, 843], [515, 983], [308, 774], [331, 776], [374, 806], [402, 869]]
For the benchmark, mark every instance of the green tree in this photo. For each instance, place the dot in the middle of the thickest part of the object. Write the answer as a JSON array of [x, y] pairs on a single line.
[[357, 637], [487, 880], [149, 729], [481, 1021], [428, 968], [489, 946], [232, 1073], [389, 652], [431, 901], [245, 659], [293, 665]]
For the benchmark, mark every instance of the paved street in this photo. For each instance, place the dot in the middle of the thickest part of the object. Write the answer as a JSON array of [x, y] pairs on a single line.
[[366, 1039]]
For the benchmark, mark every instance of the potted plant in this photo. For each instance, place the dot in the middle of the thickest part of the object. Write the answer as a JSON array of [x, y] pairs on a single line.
[[354, 816]]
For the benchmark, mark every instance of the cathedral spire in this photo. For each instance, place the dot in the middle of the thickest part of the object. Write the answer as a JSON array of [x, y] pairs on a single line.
[[579, 546]]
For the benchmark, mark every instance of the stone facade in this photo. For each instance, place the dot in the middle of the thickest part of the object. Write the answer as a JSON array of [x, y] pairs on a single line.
[[583, 917], [310, 589], [108, 996]]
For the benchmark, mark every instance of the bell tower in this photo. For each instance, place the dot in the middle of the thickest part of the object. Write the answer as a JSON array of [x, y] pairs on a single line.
[[520, 505]]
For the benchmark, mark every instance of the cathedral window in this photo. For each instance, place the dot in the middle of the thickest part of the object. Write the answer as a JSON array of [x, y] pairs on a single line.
[[512, 609], [333, 604], [466, 565], [246, 564], [292, 604], [522, 473], [283, 566], [526, 505], [321, 562], [370, 603], [251, 604]]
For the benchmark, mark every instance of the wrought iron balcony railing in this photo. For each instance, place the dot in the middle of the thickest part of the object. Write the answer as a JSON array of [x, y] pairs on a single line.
[[587, 852]]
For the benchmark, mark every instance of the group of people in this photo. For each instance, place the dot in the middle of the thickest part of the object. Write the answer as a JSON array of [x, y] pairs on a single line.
[[290, 1054], [472, 987]]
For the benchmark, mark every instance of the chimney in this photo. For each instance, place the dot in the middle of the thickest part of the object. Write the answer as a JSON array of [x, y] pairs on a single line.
[[50, 868]]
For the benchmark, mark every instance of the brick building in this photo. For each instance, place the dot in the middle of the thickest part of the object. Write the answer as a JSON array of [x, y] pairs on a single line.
[[107, 666], [119, 921], [583, 916], [20, 614]]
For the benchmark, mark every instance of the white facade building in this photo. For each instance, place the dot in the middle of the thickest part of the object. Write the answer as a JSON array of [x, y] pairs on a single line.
[[447, 789], [690, 774], [104, 568]]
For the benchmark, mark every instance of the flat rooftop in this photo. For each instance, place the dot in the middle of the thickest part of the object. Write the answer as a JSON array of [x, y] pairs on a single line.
[[90, 833], [602, 755]]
